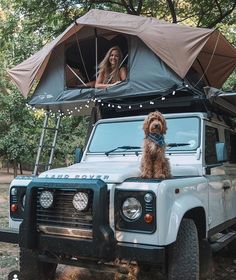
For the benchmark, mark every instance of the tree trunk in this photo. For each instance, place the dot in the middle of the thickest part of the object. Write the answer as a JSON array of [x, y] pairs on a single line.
[[15, 167], [21, 171]]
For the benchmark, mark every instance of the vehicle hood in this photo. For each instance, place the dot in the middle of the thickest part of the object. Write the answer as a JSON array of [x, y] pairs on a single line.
[[110, 172]]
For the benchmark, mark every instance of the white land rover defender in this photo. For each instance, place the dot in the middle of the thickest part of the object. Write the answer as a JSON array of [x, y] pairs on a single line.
[[99, 210]]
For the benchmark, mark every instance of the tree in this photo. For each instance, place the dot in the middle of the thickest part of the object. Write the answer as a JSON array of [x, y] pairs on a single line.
[[13, 118], [25, 26]]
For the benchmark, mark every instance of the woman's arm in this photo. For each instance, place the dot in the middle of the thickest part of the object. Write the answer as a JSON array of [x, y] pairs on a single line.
[[122, 74], [99, 80]]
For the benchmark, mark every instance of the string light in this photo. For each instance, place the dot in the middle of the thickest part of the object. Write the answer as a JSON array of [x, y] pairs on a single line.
[[104, 103]]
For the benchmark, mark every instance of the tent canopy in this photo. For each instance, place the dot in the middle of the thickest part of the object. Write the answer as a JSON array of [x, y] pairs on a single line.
[[176, 47]]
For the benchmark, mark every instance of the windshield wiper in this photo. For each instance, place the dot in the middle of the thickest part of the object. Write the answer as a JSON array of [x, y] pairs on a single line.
[[173, 145], [122, 147]]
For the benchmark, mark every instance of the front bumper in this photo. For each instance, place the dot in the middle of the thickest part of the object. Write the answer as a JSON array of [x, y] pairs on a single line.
[[59, 246]]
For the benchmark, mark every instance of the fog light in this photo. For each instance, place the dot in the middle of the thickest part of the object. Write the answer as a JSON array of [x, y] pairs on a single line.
[[46, 199], [148, 218], [14, 208], [80, 201]]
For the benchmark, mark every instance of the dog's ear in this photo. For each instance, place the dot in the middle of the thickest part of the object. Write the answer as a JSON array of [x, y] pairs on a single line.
[[164, 128], [162, 119], [146, 125]]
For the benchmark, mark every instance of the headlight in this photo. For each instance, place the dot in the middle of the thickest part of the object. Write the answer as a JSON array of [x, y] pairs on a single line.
[[80, 201], [46, 199], [131, 208], [14, 191]]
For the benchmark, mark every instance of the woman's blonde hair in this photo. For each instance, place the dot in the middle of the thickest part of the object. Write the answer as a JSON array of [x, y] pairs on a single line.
[[110, 75]]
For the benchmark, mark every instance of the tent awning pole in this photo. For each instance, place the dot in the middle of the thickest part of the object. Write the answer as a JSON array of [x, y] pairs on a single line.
[[96, 52]]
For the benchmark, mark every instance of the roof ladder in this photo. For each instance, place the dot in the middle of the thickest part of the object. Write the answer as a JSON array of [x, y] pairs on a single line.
[[42, 144]]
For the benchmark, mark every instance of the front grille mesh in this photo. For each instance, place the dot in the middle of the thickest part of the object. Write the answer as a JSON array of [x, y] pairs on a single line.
[[63, 213]]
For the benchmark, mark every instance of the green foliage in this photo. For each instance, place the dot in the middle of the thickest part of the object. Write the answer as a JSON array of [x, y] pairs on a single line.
[[13, 118], [25, 26]]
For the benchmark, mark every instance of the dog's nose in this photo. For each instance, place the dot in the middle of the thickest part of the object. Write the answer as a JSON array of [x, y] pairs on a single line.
[[157, 126]]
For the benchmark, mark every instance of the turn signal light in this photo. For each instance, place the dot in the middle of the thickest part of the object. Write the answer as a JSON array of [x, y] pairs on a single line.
[[148, 218], [14, 208]]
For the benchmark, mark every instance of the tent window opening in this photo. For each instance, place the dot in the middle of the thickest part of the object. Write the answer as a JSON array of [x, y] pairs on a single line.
[[80, 59]]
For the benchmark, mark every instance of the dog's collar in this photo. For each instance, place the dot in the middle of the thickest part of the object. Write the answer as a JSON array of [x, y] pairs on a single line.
[[157, 138]]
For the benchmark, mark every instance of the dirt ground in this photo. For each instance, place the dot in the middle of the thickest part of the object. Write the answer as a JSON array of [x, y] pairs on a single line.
[[224, 266]]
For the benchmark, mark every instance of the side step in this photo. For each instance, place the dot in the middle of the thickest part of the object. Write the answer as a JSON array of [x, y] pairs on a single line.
[[220, 240], [9, 236]]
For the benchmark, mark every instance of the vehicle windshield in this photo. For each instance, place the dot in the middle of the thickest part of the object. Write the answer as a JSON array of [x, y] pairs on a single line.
[[182, 135]]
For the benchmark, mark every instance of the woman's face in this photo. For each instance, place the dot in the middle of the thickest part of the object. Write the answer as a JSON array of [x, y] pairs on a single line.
[[114, 58]]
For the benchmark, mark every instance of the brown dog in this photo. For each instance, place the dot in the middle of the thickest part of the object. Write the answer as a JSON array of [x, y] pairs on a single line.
[[154, 164]]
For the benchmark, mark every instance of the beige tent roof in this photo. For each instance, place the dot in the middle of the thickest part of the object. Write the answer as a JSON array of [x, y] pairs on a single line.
[[178, 46]]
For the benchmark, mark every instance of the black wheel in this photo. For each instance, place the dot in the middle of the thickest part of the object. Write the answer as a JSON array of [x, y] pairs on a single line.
[[183, 255], [33, 269]]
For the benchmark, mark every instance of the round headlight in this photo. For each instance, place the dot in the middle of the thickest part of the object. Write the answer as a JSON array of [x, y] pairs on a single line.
[[132, 208], [46, 199], [80, 201], [13, 191]]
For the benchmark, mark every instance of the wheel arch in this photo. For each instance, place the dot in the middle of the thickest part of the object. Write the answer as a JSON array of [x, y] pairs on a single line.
[[198, 215], [188, 207]]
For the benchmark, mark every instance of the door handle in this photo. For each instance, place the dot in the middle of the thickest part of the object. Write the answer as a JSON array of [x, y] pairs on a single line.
[[226, 187]]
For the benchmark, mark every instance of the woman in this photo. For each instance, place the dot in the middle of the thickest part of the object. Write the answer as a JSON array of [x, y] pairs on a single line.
[[110, 73]]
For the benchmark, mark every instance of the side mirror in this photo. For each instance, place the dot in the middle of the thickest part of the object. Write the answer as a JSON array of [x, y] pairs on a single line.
[[221, 152], [78, 154]]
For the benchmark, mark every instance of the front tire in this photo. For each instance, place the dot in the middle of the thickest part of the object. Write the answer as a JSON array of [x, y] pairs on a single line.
[[183, 255], [31, 268]]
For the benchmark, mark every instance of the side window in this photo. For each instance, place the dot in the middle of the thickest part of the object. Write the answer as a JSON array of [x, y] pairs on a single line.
[[211, 138], [230, 139]]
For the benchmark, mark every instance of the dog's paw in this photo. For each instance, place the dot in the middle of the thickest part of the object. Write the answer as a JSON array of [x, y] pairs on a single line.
[[160, 176]]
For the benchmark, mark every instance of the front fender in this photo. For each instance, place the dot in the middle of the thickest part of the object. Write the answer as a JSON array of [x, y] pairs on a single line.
[[180, 207]]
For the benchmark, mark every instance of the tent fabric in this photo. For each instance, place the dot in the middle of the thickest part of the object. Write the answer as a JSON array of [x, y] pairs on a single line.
[[159, 78], [178, 46]]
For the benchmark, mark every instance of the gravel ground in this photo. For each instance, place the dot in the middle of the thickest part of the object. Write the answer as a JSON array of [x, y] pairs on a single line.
[[224, 266]]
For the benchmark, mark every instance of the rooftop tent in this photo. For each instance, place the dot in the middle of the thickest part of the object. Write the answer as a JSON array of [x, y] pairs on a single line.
[[160, 57], [159, 78]]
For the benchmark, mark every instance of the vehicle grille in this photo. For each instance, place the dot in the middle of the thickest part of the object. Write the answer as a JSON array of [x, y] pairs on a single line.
[[62, 218]]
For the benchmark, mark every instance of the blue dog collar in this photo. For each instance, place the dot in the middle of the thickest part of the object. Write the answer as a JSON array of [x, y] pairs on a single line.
[[156, 138]]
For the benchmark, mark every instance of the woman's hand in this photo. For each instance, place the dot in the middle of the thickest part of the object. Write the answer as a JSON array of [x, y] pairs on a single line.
[[116, 83]]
